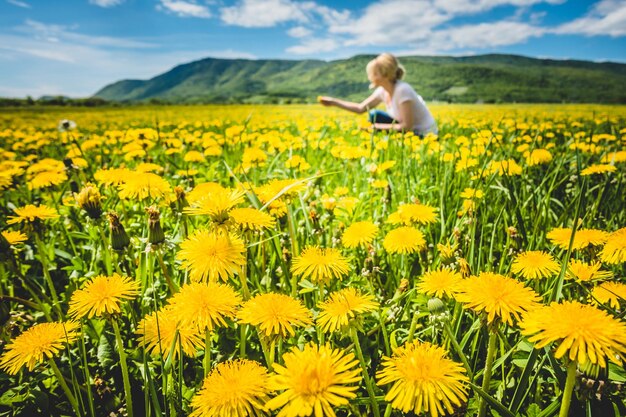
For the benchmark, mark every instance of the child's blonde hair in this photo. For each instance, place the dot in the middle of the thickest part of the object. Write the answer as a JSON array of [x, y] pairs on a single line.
[[387, 66]]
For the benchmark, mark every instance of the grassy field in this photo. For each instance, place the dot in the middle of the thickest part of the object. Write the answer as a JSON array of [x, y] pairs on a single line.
[[286, 260]]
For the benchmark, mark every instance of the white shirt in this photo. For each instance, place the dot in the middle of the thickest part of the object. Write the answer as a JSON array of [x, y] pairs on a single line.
[[423, 120]]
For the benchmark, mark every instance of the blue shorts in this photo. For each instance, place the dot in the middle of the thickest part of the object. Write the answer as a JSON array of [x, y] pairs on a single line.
[[379, 116]]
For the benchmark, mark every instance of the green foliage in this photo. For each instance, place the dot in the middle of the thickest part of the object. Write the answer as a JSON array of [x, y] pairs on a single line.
[[484, 78]]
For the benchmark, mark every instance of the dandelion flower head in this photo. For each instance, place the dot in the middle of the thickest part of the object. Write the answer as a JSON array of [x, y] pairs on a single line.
[[611, 293], [41, 341], [582, 332], [424, 380], [343, 307], [535, 265], [212, 255], [404, 239], [441, 283], [320, 264], [275, 314], [237, 388], [102, 295], [31, 213], [614, 250], [498, 296], [205, 305], [359, 234], [315, 379]]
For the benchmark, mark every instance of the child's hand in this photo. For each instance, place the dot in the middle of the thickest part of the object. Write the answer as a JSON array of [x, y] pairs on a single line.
[[325, 101]]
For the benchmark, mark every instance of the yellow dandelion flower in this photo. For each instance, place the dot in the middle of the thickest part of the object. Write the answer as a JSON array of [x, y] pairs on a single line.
[[237, 388], [614, 250], [47, 179], [14, 237], [142, 185], [404, 240], [441, 283], [314, 380], [583, 238], [359, 234], [320, 264], [212, 255], [614, 157], [205, 305], [29, 348], [408, 214], [102, 295], [216, 204], [275, 314], [157, 331], [582, 331], [200, 191], [498, 296], [149, 167], [472, 194], [598, 169], [424, 380], [583, 271], [31, 214], [252, 219], [194, 156], [379, 184], [114, 176], [343, 308], [611, 293], [507, 167], [535, 265], [538, 157]]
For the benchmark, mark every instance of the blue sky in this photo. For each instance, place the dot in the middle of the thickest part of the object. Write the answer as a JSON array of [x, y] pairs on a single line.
[[75, 47]]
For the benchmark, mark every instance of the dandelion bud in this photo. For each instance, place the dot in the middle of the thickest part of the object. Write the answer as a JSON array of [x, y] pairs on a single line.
[[119, 237], [155, 231], [90, 200], [512, 231], [435, 306]]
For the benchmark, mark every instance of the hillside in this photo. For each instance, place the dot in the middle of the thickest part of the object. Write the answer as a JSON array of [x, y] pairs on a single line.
[[485, 78]]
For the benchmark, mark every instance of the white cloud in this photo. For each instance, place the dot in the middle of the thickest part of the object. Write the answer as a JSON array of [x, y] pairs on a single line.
[[264, 13], [57, 59], [392, 22], [19, 3], [57, 33], [299, 32], [313, 46], [457, 7], [184, 8], [106, 3], [608, 17], [484, 35]]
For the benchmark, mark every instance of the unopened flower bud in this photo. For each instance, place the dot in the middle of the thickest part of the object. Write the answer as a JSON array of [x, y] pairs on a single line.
[[155, 231], [119, 237]]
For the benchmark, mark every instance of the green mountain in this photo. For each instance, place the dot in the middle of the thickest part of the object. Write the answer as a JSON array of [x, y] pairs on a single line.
[[483, 78]]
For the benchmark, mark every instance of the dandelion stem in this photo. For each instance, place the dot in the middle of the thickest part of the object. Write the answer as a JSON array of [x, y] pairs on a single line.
[[458, 350], [105, 250], [569, 387], [491, 350], [43, 257], [171, 285], [366, 376], [208, 344], [64, 386], [413, 327], [124, 366]]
